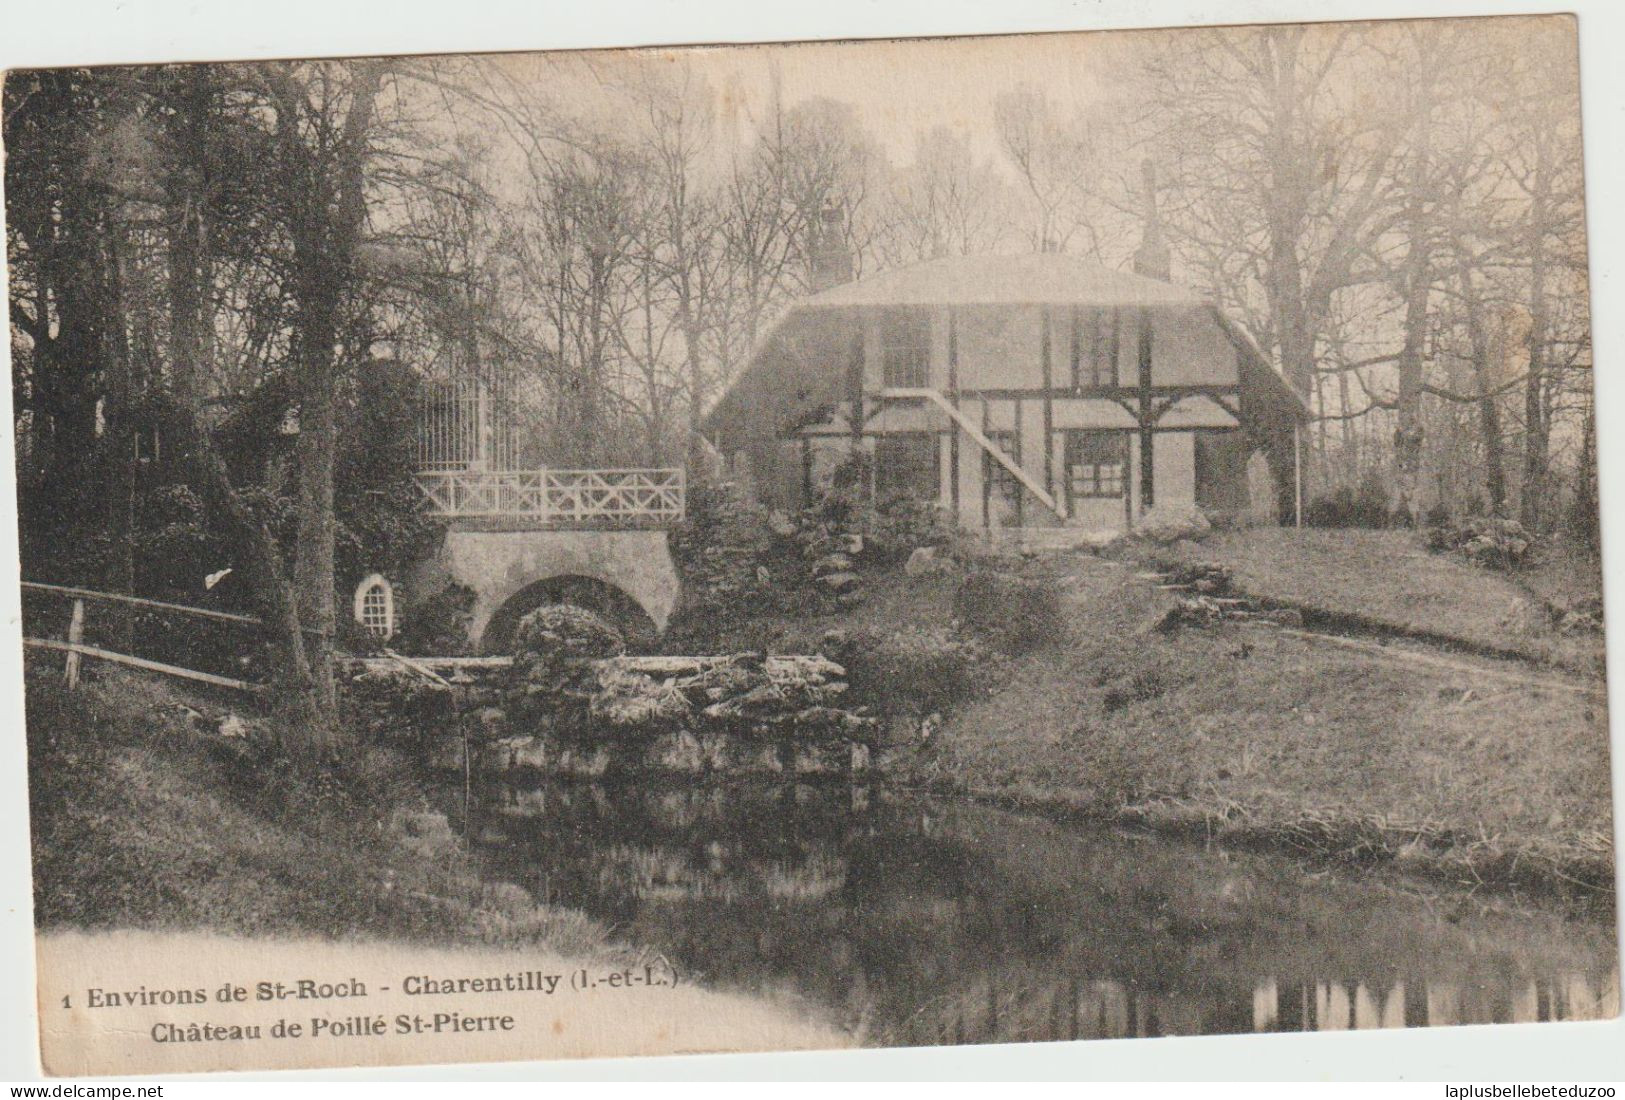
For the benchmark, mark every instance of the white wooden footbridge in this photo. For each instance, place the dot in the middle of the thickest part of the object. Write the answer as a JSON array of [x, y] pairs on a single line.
[[522, 538]]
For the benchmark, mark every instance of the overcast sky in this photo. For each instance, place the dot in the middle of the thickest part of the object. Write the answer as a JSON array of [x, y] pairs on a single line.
[[899, 88]]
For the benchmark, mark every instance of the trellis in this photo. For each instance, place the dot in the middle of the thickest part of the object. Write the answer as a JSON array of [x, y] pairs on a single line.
[[466, 423]]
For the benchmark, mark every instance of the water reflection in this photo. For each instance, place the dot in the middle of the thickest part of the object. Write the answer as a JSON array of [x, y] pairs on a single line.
[[915, 921]]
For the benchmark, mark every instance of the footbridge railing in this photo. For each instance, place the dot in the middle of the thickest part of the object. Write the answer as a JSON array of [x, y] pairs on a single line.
[[616, 497]]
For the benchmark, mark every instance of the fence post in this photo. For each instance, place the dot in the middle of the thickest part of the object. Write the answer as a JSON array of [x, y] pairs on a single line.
[[76, 636]]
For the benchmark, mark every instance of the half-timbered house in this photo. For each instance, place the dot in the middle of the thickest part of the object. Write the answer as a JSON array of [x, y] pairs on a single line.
[[1038, 391]]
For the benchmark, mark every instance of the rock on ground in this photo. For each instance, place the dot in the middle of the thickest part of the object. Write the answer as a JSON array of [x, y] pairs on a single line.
[[1172, 523]]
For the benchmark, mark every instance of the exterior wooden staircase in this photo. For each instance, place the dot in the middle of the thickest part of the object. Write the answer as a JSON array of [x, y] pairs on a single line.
[[978, 437]]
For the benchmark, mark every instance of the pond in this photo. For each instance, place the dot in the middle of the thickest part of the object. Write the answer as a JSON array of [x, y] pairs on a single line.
[[914, 920]]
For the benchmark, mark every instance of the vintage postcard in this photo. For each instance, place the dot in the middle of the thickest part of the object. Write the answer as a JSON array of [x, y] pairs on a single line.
[[756, 548]]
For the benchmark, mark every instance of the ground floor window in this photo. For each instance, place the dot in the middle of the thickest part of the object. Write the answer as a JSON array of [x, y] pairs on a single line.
[[906, 467], [1096, 464]]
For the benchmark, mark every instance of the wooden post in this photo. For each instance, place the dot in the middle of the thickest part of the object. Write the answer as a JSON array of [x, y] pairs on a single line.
[[76, 636], [1147, 417], [953, 428], [1047, 371], [1297, 474]]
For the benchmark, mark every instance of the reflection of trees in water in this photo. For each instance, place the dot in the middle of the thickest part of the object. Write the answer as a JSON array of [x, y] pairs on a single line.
[[1337, 1006], [1004, 1009], [625, 846], [917, 922], [669, 874]]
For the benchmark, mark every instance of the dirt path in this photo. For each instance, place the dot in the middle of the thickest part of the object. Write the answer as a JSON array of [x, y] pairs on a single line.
[[1375, 637], [1415, 652]]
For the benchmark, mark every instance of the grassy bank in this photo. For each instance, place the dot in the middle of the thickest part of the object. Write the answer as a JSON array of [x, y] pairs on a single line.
[[1470, 768], [1387, 579], [1251, 734], [145, 816]]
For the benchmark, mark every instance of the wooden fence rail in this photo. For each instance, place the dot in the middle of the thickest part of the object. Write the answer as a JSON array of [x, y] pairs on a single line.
[[76, 649], [428, 668], [156, 605]]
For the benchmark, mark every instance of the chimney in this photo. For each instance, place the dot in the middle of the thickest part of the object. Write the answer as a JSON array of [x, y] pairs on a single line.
[[1151, 259], [831, 261]]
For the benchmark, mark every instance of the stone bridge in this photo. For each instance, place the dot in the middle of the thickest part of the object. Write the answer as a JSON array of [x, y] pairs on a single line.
[[521, 539]]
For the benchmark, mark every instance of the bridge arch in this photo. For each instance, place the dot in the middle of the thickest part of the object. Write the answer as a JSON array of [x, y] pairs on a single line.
[[594, 594], [629, 576]]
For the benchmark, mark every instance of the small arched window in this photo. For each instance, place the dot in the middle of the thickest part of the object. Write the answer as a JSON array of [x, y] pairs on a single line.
[[375, 606]]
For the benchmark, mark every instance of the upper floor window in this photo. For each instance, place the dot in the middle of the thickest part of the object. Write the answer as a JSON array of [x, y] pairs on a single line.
[[1096, 339], [905, 349], [375, 606]]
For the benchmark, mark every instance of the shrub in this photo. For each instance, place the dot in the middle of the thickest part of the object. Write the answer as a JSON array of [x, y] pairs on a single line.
[[912, 671], [548, 681], [728, 555], [1581, 520], [390, 706], [898, 527], [353, 638], [1344, 506], [1139, 686], [439, 625], [1016, 613], [848, 492], [1488, 541], [1436, 516]]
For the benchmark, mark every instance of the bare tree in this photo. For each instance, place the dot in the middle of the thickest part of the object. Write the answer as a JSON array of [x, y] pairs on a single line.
[[1275, 182], [945, 203], [1543, 163], [1060, 162], [681, 248]]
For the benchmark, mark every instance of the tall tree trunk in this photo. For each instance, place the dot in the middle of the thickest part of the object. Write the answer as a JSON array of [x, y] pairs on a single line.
[[327, 216], [1417, 283], [324, 255], [1585, 491], [73, 266], [189, 320], [1536, 436], [315, 451], [1409, 434], [1289, 176], [121, 433], [297, 701], [1489, 413], [1350, 452], [191, 349]]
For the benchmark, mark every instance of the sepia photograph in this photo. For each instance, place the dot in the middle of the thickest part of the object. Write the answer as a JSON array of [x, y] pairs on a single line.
[[1013, 538]]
